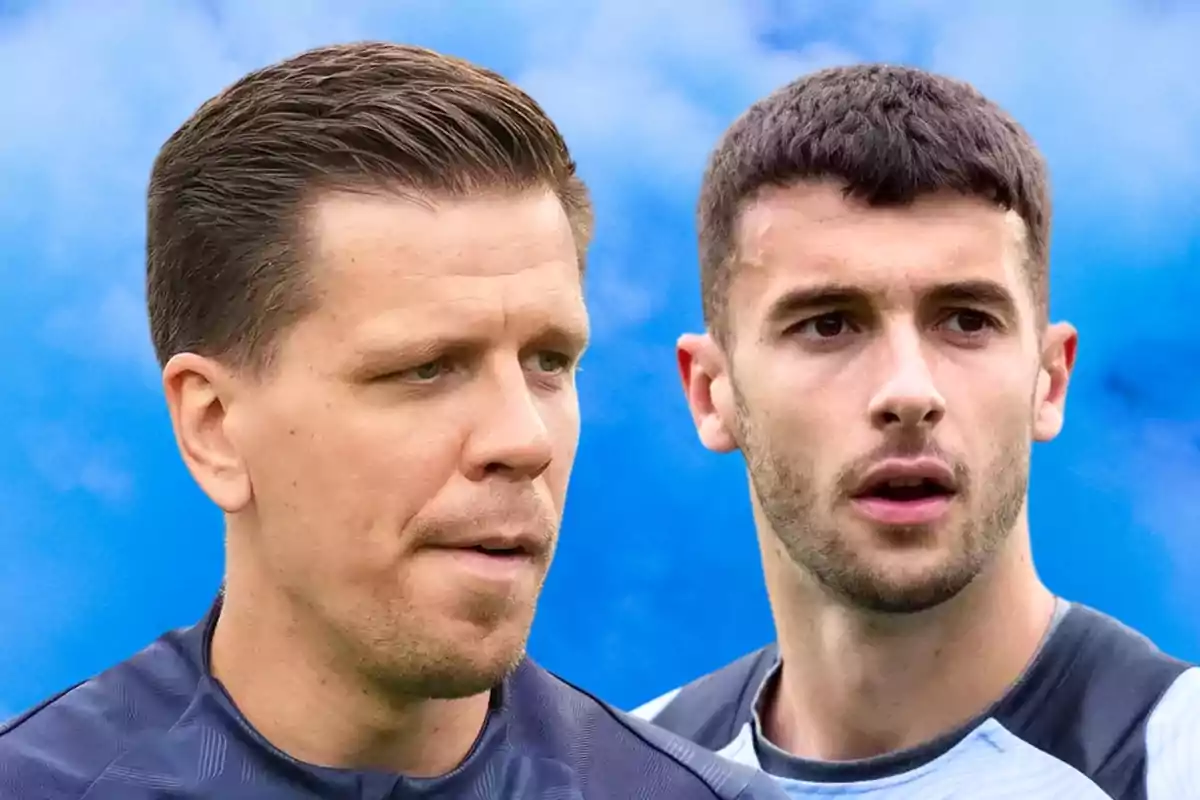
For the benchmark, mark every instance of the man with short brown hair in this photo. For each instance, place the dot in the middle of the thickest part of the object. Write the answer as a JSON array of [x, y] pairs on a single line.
[[874, 248], [364, 286]]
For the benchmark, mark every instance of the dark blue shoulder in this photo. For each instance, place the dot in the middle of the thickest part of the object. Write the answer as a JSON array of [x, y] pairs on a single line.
[[1087, 699], [712, 709], [56, 750], [617, 755]]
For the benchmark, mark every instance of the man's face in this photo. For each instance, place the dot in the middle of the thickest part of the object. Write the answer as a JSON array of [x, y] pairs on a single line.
[[410, 448], [884, 376]]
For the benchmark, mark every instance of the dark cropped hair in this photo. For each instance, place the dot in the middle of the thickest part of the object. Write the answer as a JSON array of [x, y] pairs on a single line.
[[890, 135]]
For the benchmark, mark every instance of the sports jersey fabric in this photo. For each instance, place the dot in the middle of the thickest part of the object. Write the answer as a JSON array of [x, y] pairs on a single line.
[[160, 726], [1100, 714]]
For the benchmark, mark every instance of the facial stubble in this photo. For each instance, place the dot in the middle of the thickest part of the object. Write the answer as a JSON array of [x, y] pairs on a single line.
[[460, 649], [802, 519]]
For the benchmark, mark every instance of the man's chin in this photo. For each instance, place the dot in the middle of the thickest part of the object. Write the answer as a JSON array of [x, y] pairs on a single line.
[[882, 593], [478, 656], [451, 674], [904, 602], [472, 676]]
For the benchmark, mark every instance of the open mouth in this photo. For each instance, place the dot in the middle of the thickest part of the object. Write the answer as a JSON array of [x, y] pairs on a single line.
[[905, 501], [907, 490]]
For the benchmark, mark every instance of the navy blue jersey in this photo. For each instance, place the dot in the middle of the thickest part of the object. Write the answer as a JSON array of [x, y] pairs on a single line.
[[1099, 714], [159, 726]]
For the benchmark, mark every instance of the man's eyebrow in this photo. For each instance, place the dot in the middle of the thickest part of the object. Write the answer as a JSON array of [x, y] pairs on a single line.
[[974, 292], [573, 335], [796, 301], [382, 352]]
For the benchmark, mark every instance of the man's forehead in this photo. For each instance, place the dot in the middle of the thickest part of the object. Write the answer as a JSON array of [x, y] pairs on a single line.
[[387, 271], [390, 248], [417, 236], [476, 316], [473, 303], [796, 237]]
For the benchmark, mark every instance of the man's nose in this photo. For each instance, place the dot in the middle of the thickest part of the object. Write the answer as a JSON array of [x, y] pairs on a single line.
[[908, 396], [510, 437]]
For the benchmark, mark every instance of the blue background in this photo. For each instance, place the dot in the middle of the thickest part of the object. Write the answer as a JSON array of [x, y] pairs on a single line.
[[105, 542]]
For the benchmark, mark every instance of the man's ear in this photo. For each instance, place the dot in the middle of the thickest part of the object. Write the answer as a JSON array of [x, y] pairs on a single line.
[[708, 389], [1059, 344], [199, 392]]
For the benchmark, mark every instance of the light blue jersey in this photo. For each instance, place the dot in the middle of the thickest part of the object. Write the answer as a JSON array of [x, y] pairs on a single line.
[[1100, 714]]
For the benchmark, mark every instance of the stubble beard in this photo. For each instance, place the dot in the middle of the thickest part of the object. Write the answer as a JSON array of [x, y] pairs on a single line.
[[788, 496], [402, 654], [428, 664], [474, 651]]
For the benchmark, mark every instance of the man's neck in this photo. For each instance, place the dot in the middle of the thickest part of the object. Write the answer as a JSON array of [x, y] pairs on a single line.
[[301, 701], [855, 685]]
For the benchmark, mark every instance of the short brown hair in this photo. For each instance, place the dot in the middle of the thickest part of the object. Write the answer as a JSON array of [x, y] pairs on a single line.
[[890, 134], [228, 191]]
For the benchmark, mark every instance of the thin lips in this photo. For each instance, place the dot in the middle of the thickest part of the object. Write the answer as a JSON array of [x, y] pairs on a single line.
[[924, 469], [523, 542]]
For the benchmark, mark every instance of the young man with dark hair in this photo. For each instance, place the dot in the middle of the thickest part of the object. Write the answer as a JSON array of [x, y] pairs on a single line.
[[874, 265], [364, 286]]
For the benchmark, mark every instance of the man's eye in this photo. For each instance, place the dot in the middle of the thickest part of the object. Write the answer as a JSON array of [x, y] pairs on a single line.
[[550, 361], [825, 326], [967, 321], [427, 372]]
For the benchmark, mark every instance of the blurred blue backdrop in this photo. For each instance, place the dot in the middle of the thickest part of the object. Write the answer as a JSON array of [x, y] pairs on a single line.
[[105, 542]]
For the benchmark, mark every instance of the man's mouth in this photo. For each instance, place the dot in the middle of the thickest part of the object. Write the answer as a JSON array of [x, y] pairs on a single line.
[[500, 551], [906, 493], [907, 490], [496, 562], [507, 546]]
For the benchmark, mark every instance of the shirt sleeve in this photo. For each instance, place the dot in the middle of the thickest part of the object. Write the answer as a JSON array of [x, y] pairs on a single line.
[[1173, 742]]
